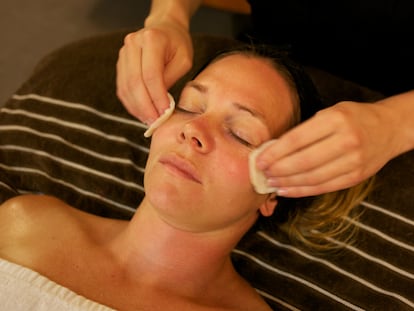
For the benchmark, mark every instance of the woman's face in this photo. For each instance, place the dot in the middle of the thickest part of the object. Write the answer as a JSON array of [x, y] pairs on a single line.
[[197, 173]]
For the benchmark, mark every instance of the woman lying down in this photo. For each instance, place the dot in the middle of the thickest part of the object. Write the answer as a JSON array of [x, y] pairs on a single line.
[[175, 252]]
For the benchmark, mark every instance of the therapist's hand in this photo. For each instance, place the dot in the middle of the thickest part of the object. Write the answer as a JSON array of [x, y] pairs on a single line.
[[337, 148], [151, 61]]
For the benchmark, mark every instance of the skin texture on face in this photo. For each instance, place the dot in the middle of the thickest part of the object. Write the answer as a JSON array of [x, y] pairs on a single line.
[[197, 174]]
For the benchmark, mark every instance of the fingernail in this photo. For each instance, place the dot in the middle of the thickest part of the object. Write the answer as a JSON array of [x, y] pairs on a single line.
[[149, 121], [273, 182], [282, 192]]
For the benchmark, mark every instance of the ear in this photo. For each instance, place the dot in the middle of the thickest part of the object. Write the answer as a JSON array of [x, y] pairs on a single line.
[[268, 206]]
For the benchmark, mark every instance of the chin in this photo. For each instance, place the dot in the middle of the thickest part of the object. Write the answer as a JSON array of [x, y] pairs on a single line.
[[175, 211], [168, 195]]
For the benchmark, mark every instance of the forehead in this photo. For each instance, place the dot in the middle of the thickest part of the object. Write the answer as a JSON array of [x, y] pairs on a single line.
[[253, 81]]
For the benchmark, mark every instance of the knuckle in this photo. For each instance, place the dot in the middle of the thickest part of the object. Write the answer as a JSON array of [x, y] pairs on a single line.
[[341, 116], [314, 179], [302, 163], [134, 110], [121, 52], [355, 178], [293, 139], [142, 37], [131, 83], [120, 93], [353, 141], [129, 38], [357, 160], [309, 180], [358, 171], [151, 35], [186, 63]]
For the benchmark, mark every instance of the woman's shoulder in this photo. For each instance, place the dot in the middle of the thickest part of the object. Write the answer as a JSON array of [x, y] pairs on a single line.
[[31, 224], [24, 213], [35, 214], [30, 203]]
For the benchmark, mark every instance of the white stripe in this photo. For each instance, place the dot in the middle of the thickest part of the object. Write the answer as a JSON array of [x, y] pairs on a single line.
[[6, 186], [124, 161], [59, 181], [374, 259], [389, 213], [298, 279], [78, 127], [277, 300], [74, 165], [21, 191], [381, 234], [337, 269], [78, 106]]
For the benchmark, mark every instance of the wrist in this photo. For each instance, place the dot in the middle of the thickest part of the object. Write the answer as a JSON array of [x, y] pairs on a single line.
[[174, 12], [399, 111], [160, 18]]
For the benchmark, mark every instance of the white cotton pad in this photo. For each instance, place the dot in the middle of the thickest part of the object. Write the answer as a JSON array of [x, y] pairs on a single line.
[[258, 178], [162, 118]]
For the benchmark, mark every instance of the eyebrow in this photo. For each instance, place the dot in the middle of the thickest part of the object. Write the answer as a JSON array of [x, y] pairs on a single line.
[[204, 89], [198, 86], [253, 112]]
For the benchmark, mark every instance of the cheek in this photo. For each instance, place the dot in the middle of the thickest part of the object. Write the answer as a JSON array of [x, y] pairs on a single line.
[[236, 193], [234, 170]]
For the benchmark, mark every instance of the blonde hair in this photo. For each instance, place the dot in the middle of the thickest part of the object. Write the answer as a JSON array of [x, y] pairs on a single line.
[[326, 222]]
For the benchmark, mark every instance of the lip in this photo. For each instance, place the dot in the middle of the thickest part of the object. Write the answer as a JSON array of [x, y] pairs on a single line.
[[181, 166]]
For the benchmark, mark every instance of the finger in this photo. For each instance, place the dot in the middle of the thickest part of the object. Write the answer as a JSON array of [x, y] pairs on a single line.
[[121, 79], [137, 100], [154, 63], [313, 156], [294, 140], [338, 167], [341, 182]]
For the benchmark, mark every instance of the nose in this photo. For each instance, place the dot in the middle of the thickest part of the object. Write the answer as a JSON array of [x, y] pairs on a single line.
[[198, 134]]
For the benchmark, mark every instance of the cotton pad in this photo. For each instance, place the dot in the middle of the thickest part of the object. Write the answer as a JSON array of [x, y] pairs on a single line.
[[258, 178], [162, 118]]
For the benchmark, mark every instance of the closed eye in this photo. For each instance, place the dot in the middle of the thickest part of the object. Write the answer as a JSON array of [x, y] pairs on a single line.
[[180, 109], [239, 138]]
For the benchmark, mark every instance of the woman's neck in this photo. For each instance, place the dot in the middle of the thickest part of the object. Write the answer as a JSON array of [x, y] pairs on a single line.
[[154, 252]]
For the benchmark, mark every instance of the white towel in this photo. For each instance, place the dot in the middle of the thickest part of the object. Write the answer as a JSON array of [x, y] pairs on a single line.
[[23, 289]]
